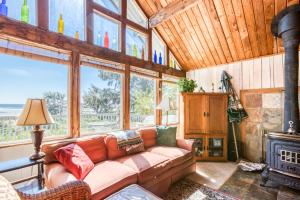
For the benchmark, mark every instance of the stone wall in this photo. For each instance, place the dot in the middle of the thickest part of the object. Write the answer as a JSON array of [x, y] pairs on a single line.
[[265, 110]]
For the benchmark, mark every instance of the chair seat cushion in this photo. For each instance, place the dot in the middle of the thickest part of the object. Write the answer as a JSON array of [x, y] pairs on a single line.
[[176, 155], [108, 177], [147, 165]]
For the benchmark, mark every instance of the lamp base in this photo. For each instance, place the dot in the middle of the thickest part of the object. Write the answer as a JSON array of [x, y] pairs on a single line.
[[37, 136], [37, 156]]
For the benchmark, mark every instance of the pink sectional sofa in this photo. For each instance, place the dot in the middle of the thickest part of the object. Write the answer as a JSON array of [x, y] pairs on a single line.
[[154, 169]]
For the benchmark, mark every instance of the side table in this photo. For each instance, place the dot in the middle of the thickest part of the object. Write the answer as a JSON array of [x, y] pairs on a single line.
[[21, 163]]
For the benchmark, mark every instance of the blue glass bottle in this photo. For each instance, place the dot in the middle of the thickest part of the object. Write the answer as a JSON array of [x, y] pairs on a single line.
[[3, 8], [155, 57], [99, 39], [160, 59]]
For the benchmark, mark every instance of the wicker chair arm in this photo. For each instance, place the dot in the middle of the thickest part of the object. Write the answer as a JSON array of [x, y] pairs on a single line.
[[75, 190]]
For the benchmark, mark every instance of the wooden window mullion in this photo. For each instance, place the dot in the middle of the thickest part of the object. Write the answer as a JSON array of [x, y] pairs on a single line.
[[74, 95], [43, 14]]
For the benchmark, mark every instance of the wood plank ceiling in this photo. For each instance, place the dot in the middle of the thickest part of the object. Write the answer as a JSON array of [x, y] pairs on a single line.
[[213, 32]]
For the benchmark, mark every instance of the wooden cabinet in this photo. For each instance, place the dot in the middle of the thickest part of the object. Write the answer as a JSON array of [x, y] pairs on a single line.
[[205, 120]]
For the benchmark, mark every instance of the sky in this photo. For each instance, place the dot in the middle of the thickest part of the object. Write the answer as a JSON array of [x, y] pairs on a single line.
[[22, 78]]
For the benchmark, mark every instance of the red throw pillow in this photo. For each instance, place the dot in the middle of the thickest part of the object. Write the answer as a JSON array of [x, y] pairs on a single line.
[[75, 160]]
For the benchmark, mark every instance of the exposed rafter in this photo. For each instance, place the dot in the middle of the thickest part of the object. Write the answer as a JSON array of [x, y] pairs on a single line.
[[171, 10]]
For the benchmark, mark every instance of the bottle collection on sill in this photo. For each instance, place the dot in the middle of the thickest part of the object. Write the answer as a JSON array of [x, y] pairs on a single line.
[[101, 41], [24, 11]]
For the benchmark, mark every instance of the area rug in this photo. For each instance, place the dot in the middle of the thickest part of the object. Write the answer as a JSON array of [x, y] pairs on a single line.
[[189, 190]]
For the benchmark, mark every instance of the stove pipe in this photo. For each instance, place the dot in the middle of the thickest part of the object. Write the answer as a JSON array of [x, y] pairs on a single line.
[[286, 25]]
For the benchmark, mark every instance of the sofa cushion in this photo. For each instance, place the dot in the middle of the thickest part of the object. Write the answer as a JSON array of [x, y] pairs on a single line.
[[49, 147], [166, 136], [176, 155], [147, 165], [113, 151], [108, 177], [149, 136], [74, 159], [95, 148]]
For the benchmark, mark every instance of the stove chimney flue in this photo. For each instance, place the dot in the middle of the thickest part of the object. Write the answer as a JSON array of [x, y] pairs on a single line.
[[286, 25]]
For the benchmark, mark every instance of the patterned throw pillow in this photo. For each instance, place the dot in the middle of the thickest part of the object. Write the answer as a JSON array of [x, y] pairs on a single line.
[[7, 192], [166, 136]]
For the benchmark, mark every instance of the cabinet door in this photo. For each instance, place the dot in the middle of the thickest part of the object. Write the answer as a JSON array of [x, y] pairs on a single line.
[[217, 114], [217, 148], [200, 144], [195, 108]]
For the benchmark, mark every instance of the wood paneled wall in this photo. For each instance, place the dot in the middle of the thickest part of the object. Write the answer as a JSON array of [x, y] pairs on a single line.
[[258, 73]]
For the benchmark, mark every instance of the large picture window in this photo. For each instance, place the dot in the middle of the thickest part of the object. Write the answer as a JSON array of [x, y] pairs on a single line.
[[101, 106], [28, 15], [26, 78], [170, 95], [106, 32], [69, 14], [142, 101]]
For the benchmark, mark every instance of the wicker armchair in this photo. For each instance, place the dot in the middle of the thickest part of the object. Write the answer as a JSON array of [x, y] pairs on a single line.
[[76, 190]]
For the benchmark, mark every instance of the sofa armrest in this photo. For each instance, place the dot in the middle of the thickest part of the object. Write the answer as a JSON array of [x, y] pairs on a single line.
[[185, 144], [75, 190]]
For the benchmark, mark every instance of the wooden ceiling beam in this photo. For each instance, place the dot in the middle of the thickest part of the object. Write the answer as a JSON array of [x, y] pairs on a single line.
[[172, 9]]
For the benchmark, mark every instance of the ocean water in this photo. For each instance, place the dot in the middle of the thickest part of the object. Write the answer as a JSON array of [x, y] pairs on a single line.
[[10, 110]]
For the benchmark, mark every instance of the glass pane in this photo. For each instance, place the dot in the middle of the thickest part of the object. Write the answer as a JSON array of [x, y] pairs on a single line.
[[113, 5], [135, 14], [106, 32], [215, 147], [158, 49], [22, 10], [170, 95], [100, 101], [199, 147], [142, 101], [26, 78], [67, 17], [174, 63], [136, 44]]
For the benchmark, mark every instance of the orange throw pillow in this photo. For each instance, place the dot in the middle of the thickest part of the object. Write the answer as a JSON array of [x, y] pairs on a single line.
[[75, 160]]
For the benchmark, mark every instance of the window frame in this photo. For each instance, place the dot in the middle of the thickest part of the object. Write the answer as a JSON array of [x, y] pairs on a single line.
[[152, 78], [178, 103], [36, 57], [85, 21], [107, 17], [143, 34]]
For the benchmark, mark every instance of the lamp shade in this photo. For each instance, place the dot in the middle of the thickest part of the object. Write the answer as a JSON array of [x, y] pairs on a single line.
[[35, 112], [166, 104]]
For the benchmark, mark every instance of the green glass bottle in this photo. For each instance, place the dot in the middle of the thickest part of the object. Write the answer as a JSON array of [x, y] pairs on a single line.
[[134, 51], [61, 24], [25, 12]]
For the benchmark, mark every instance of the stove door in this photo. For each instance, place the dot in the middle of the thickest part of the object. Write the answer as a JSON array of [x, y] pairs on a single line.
[[286, 157]]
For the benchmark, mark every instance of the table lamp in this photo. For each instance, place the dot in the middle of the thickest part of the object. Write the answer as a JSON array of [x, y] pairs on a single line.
[[35, 113], [166, 105]]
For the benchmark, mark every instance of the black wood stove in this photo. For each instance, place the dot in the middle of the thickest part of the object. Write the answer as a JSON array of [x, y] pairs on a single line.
[[283, 149]]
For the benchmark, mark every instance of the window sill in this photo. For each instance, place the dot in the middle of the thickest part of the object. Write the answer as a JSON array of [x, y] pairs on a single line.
[[28, 141]]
